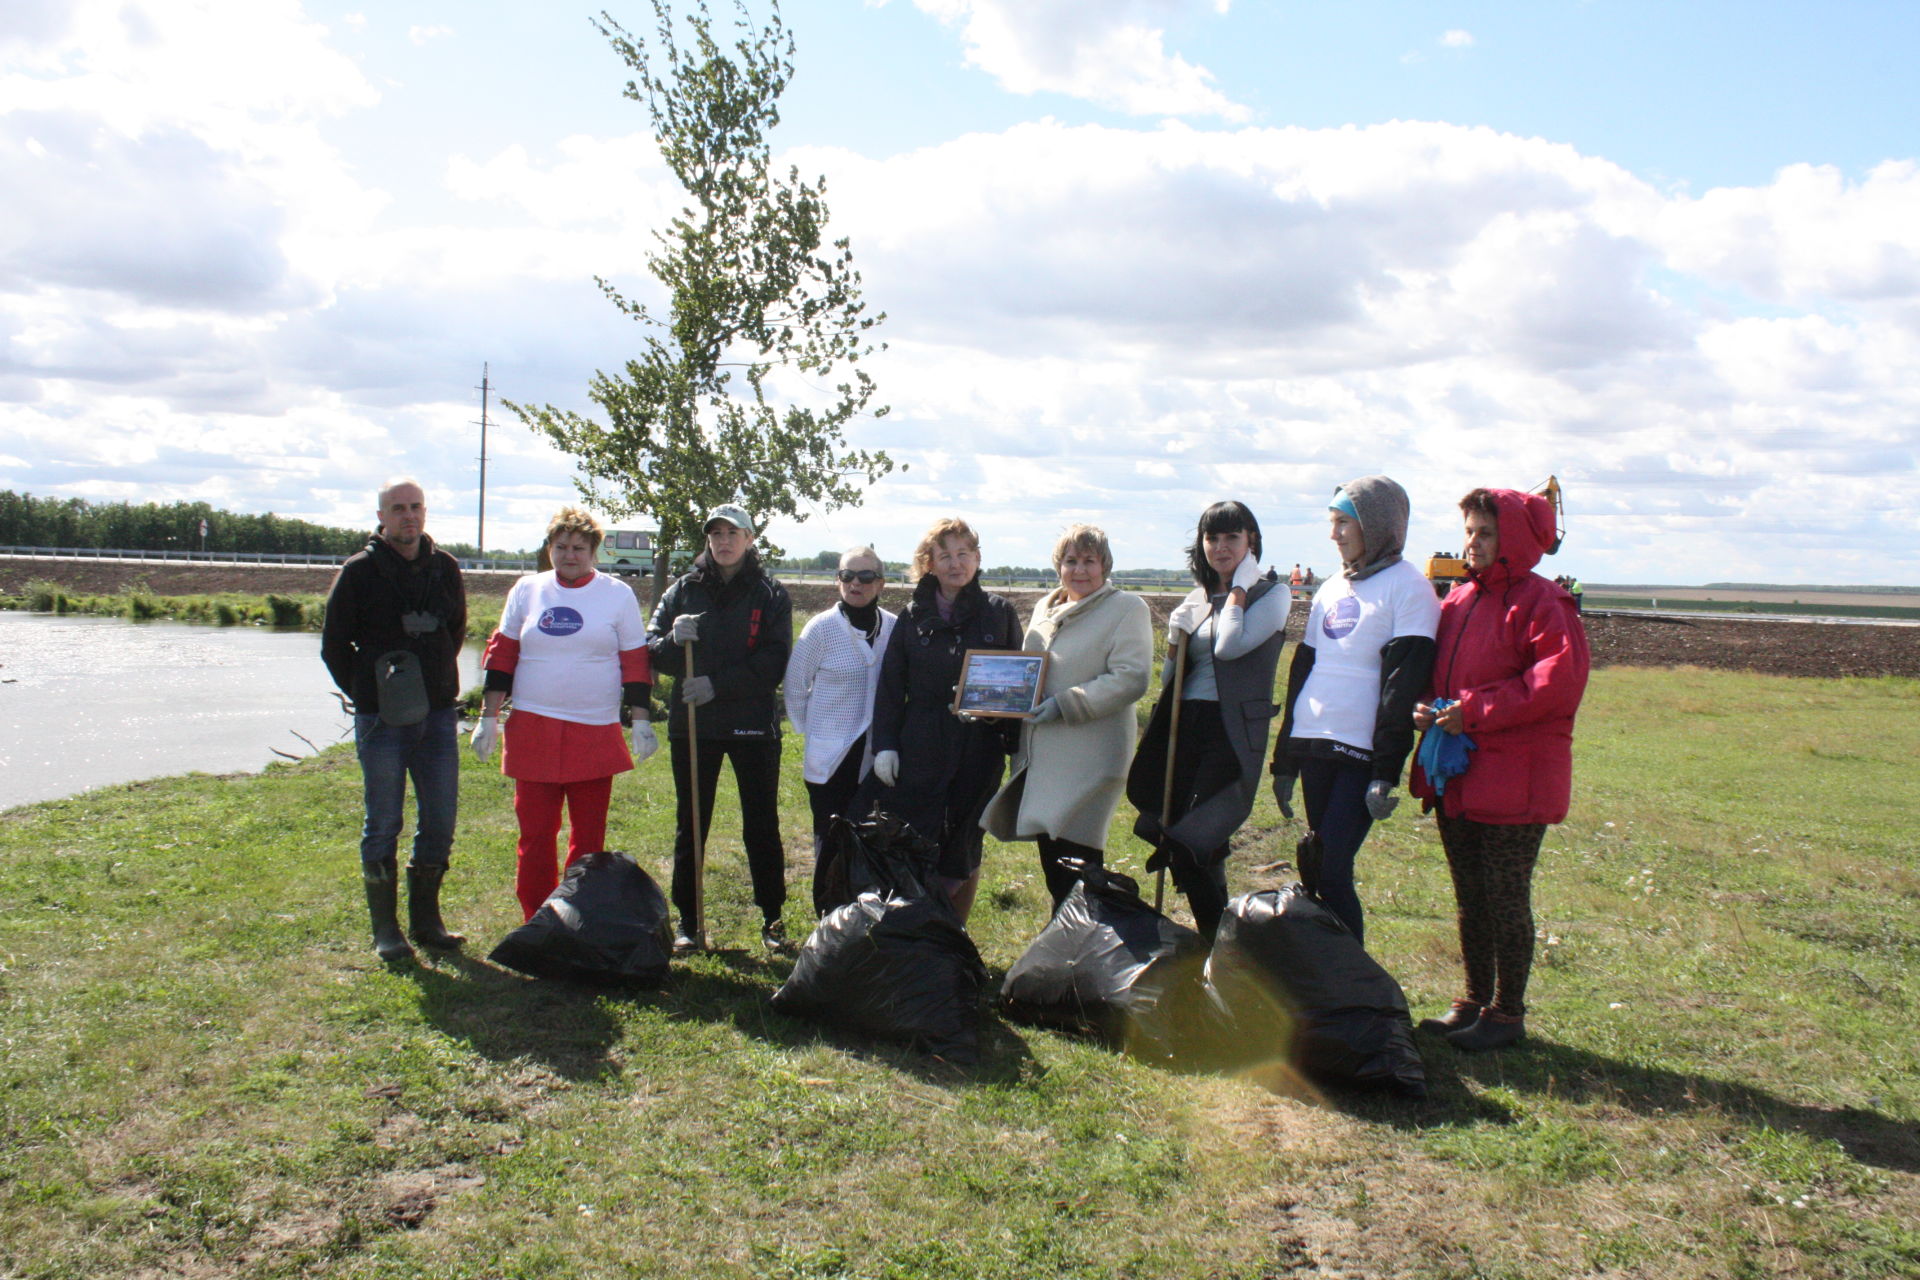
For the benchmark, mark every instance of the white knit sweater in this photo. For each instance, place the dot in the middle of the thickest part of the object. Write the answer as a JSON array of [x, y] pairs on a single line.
[[831, 678]]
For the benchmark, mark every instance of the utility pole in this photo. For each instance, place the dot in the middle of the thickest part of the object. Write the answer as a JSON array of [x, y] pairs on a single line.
[[480, 541]]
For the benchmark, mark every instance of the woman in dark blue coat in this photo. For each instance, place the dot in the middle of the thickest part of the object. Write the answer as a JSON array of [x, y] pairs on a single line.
[[931, 768]]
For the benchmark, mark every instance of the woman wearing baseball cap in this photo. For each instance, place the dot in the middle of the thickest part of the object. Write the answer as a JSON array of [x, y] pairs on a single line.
[[737, 624]]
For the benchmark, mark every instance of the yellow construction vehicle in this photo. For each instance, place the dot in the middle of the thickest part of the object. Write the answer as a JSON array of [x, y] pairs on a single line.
[[1445, 568]]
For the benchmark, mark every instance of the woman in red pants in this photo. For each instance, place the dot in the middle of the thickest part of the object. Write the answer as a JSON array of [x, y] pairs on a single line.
[[572, 650]]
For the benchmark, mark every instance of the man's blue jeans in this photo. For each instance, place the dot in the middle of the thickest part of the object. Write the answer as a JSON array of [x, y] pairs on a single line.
[[430, 752]]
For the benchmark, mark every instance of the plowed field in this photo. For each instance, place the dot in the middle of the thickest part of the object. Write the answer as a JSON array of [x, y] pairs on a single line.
[[1769, 647]]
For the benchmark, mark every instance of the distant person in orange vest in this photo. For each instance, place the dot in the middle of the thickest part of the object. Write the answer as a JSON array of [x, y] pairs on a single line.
[[1295, 579]]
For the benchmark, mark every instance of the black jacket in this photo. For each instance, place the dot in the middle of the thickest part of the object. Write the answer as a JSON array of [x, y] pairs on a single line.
[[746, 633], [374, 589], [945, 762]]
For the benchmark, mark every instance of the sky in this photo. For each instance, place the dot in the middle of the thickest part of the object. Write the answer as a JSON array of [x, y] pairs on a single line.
[[1136, 256]]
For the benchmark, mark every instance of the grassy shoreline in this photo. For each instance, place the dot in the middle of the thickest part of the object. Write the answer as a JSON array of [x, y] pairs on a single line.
[[206, 1073], [295, 611]]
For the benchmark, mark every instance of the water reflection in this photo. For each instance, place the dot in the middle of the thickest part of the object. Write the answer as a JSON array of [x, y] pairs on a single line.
[[92, 701]]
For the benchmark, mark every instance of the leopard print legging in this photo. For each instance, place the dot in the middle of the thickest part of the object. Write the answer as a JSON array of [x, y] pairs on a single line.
[[1492, 868]]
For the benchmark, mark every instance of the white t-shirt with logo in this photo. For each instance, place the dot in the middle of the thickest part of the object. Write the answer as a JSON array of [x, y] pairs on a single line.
[[570, 643], [1348, 626]]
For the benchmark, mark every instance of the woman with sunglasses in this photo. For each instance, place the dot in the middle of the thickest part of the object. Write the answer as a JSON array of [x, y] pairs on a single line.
[[831, 677]]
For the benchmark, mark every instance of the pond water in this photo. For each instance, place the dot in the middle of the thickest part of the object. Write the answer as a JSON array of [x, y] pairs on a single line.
[[86, 702]]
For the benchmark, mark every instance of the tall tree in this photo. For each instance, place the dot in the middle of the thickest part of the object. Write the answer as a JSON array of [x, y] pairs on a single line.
[[750, 290]]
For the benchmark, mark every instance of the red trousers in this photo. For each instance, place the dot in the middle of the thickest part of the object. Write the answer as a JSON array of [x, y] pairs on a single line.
[[537, 806]]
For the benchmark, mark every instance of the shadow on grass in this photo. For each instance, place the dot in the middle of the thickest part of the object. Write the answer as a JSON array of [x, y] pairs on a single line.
[[1579, 1075], [567, 1028], [503, 1016], [736, 987]]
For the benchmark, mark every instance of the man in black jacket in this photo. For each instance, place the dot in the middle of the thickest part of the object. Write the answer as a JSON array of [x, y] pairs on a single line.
[[740, 623], [396, 618]]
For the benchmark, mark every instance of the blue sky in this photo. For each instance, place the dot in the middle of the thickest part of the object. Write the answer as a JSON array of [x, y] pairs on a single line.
[[1137, 255]]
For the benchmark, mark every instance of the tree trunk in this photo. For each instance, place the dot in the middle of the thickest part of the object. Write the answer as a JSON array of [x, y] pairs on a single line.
[[660, 562]]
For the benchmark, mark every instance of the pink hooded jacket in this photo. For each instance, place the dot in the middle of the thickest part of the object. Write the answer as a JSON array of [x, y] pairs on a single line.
[[1513, 652]]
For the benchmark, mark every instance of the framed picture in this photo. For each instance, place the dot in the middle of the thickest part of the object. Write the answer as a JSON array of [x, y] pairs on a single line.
[[1001, 682]]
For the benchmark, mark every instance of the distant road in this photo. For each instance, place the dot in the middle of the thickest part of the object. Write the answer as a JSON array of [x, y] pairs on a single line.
[[1889, 600], [1705, 615]]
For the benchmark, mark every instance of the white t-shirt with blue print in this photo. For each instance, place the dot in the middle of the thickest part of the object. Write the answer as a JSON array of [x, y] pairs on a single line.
[[1348, 626]]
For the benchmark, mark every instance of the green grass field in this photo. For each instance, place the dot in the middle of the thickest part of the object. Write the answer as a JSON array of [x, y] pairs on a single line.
[[206, 1073]]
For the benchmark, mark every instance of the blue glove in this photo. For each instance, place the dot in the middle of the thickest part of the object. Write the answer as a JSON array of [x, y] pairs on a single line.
[[1444, 755]]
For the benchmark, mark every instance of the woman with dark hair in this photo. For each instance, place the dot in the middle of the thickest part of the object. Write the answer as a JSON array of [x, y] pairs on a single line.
[[1073, 755], [739, 623], [1361, 664], [1510, 666], [1235, 620], [572, 651], [936, 770]]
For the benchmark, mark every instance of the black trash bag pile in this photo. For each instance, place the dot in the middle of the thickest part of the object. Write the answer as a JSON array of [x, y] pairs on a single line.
[[870, 856], [893, 962], [1289, 981], [1109, 965], [607, 924]]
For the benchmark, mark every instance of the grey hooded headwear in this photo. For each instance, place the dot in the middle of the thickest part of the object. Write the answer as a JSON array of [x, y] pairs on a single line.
[[1381, 507]]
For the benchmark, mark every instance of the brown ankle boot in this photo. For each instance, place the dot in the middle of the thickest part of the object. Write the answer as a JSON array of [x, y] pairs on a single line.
[[1494, 1030], [1462, 1015]]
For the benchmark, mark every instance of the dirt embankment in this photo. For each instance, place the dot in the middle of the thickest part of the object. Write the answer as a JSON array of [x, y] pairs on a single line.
[[1768, 647], [175, 578]]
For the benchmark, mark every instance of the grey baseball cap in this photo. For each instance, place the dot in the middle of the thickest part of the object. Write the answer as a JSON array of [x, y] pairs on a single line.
[[734, 515]]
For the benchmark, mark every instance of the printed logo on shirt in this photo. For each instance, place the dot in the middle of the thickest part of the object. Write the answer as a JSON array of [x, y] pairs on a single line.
[[1338, 621], [561, 621]]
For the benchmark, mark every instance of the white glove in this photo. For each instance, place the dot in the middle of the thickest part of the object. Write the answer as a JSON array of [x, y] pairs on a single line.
[[645, 743], [1047, 710], [1189, 614], [886, 767], [1247, 574], [686, 627], [1381, 802], [485, 734], [696, 691]]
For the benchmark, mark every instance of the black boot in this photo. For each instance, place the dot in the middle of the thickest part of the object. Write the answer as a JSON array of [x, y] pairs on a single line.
[[383, 904], [423, 908]]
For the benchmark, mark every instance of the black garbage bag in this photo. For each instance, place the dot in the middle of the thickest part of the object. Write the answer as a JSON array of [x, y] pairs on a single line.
[[894, 962], [606, 924], [880, 854], [1288, 980], [1109, 965]]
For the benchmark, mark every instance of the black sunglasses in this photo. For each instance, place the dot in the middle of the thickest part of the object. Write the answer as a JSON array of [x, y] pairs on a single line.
[[859, 575]]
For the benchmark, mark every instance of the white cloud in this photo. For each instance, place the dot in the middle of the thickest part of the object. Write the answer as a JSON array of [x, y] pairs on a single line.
[[199, 298], [1808, 235], [1457, 39], [1112, 54], [421, 34]]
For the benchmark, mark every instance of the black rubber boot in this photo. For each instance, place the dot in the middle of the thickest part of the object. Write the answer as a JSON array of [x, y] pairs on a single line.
[[383, 904], [423, 909]]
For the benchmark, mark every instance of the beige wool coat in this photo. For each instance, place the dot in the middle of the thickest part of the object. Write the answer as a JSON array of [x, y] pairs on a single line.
[[1069, 773]]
